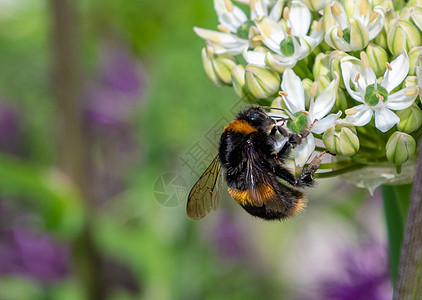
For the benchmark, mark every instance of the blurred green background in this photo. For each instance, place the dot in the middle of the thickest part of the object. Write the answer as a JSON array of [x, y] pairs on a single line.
[[149, 119]]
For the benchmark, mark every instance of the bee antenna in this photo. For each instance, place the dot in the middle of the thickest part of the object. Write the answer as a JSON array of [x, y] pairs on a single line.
[[269, 107]]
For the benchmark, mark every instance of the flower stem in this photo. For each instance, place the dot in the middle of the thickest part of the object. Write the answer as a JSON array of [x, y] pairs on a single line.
[[409, 277], [395, 199]]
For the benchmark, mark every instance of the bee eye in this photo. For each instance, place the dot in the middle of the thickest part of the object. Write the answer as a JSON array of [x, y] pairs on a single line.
[[254, 116]]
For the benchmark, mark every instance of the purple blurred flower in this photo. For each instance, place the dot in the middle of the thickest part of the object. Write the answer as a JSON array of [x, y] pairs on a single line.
[[25, 253], [228, 238], [118, 89], [364, 276]]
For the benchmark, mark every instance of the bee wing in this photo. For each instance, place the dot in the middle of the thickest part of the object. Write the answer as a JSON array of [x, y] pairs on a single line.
[[262, 184], [206, 193]]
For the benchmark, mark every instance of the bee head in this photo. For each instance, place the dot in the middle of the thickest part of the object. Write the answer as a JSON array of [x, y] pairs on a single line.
[[256, 117]]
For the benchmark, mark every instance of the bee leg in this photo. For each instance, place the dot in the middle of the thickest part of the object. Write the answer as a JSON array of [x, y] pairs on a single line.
[[305, 178]]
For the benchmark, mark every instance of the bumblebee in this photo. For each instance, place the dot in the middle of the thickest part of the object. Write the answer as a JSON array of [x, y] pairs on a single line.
[[252, 151]]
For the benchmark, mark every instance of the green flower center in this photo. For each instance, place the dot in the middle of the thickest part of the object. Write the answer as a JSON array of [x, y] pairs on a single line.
[[374, 95], [243, 30], [298, 122], [346, 35], [287, 47]]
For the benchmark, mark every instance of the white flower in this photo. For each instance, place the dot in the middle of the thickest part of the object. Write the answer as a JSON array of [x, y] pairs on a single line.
[[355, 33], [232, 37], [315, 5], [287, 46], [376, 98], [233, 34], [294, 98]]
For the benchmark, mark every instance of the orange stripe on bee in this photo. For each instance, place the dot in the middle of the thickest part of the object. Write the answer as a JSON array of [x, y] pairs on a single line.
[[240, 126], [254, 197]]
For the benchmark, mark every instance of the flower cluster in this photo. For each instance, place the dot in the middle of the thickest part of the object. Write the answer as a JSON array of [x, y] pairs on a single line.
[[353, 68]]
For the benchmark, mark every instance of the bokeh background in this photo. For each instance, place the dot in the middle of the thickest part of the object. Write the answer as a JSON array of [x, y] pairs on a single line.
[[149, 120]]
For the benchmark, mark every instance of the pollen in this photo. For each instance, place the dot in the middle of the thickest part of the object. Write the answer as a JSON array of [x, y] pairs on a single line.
[[286, 13], [364, 59], [351, 111], [289, 31], [314, 89], [305, 112], [258, 38], [281, 93], [266, 30], [229, 5], [373, 16], [336, 9], [411, 92], [357, 77], [364, 7], [380, 97], [339, 32], [389, 68], [223, 28]]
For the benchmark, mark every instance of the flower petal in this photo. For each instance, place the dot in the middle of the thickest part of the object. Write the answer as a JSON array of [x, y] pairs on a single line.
[[334, 41], [358, 35], [403, 98], [231, 18], [292, 85], [399, 69], [322, 125], [299, 18], [362, 116], [277, 10], [385, 119], [376, 25], [223, 42], [304, 150], [255, 58], [349, 71], [272, 32], [325, 102], [258, 9]]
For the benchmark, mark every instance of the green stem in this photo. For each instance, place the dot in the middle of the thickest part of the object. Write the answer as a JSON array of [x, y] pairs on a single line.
[[396, 201], [338, 172]]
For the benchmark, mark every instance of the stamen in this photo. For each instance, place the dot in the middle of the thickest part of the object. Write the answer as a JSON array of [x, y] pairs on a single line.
[[364, 7], [223, 28], [229, 5], [380, 97], [266, 30], [258, 38], [411, 92], [281, 93], [314, 89], [373, 16], [388, 66], [252, 4], [339, 32], [319, 25], [364, 59], [357, 77], [350, 111], [305, 112], [286, 13], [336, 8], [289, 31]]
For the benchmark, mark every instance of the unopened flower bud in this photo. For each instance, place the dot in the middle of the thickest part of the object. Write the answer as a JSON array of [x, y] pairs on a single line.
[[416, 16], [341, 140], [217, 67], [400, 147], [335, 60], [410, 119], [410, 81], [238, 80], [377, 57], [402, 34], [413, 58], [307, 84], [261, 82], [321, 65]]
